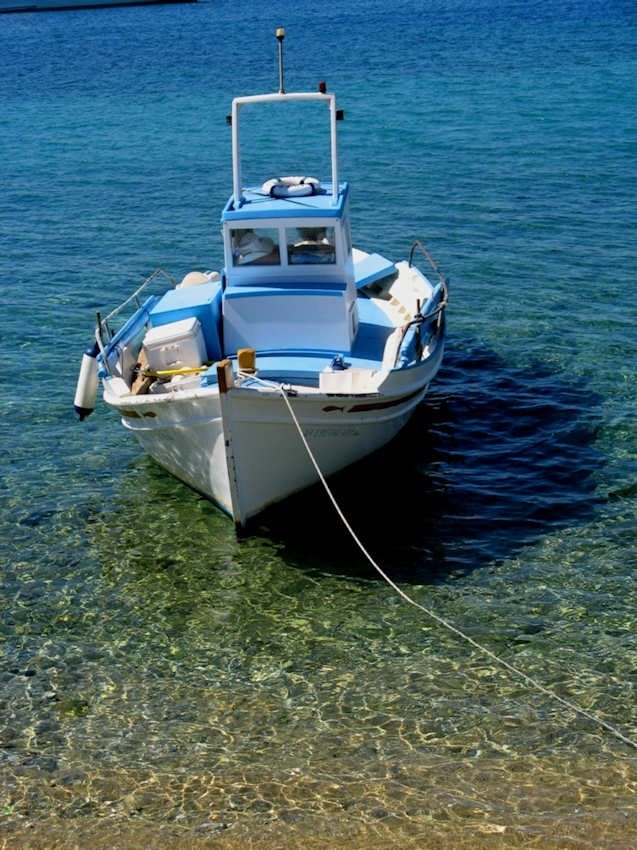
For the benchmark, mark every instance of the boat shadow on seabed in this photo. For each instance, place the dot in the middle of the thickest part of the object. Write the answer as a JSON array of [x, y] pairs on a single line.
[[494, 458]]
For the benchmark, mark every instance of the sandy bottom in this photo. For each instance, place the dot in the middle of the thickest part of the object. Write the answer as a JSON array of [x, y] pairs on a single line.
[[333, 833]]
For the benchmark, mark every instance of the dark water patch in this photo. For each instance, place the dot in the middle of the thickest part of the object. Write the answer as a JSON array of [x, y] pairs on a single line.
[[37, 517], [494, 458]]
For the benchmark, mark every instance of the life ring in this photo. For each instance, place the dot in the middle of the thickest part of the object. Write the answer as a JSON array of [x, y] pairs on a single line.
[[291, 187]]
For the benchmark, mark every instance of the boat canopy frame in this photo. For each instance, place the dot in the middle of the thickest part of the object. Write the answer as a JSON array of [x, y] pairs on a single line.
[[238, 103]]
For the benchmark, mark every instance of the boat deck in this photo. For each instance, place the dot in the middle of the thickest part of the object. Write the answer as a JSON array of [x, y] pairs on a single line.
[[375, 325]]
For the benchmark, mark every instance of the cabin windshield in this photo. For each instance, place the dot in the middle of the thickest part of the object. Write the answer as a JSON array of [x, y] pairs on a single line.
[[311, 245], [292, 246], [255, 246]]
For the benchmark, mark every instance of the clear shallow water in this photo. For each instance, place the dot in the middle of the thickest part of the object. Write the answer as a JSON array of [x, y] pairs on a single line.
[[164, 680]]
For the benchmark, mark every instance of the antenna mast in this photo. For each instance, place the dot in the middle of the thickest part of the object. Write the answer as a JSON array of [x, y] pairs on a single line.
[[280, 34]]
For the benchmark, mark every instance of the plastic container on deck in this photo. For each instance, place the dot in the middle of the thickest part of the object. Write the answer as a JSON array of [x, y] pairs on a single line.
[[203, 302], [177, 345]]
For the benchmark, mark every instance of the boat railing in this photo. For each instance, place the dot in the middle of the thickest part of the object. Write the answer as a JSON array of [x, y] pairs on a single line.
[[103, 328], [434, 265], [430, 316]]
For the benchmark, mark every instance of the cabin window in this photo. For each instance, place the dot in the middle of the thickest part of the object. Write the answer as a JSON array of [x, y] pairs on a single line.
[[255, 246], [309, 245]]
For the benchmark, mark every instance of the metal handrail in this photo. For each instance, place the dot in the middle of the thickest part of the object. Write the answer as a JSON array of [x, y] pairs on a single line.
[[434, 265], [103, 322], [138, 292]]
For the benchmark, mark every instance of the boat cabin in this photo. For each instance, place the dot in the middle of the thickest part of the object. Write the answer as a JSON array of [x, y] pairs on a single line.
[[289, 272]]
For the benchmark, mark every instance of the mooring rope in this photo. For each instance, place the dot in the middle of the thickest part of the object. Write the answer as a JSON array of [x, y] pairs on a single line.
[[432, 614]]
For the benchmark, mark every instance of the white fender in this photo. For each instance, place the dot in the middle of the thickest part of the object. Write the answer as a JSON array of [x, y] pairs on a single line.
[[86, 389]]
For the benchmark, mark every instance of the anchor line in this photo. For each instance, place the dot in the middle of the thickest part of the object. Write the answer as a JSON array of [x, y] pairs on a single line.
[[582, 712]]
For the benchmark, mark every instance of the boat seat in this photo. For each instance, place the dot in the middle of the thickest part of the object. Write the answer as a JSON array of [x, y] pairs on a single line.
[[371, 268]]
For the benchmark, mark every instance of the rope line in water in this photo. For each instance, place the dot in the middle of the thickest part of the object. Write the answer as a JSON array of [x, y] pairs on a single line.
[[436, 617]]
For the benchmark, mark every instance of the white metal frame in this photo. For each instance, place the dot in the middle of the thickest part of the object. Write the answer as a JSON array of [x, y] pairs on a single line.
[[238, 102]]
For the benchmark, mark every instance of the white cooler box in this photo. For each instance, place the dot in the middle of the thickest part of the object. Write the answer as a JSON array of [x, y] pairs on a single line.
[[177, 345]]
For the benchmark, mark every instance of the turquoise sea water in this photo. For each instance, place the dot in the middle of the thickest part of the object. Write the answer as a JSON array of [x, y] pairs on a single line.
[[164, 681]]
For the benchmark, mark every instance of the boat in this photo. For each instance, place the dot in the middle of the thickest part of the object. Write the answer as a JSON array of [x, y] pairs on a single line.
[[299, 357], [68, 5]]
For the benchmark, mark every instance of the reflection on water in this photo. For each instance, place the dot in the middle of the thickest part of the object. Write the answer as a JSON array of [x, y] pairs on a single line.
[[166, 677], [496, 457]]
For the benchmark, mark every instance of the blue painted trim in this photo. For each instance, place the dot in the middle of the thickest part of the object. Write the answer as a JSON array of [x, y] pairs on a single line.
[[133, 325], [433, 300], [315, 353], [256, 205], [270, 291], [297, 363]]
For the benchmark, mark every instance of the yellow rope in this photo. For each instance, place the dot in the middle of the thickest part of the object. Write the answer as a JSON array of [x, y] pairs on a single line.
[[167, 373]]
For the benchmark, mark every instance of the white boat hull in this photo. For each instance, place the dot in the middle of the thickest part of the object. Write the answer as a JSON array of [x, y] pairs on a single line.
[[267, 459], [243, 449], [184, 435]]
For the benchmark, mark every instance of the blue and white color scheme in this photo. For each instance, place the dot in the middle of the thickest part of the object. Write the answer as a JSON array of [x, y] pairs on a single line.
[[217, 376]]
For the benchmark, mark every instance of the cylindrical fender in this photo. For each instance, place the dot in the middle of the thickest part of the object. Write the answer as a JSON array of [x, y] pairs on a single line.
[[87, 381]]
